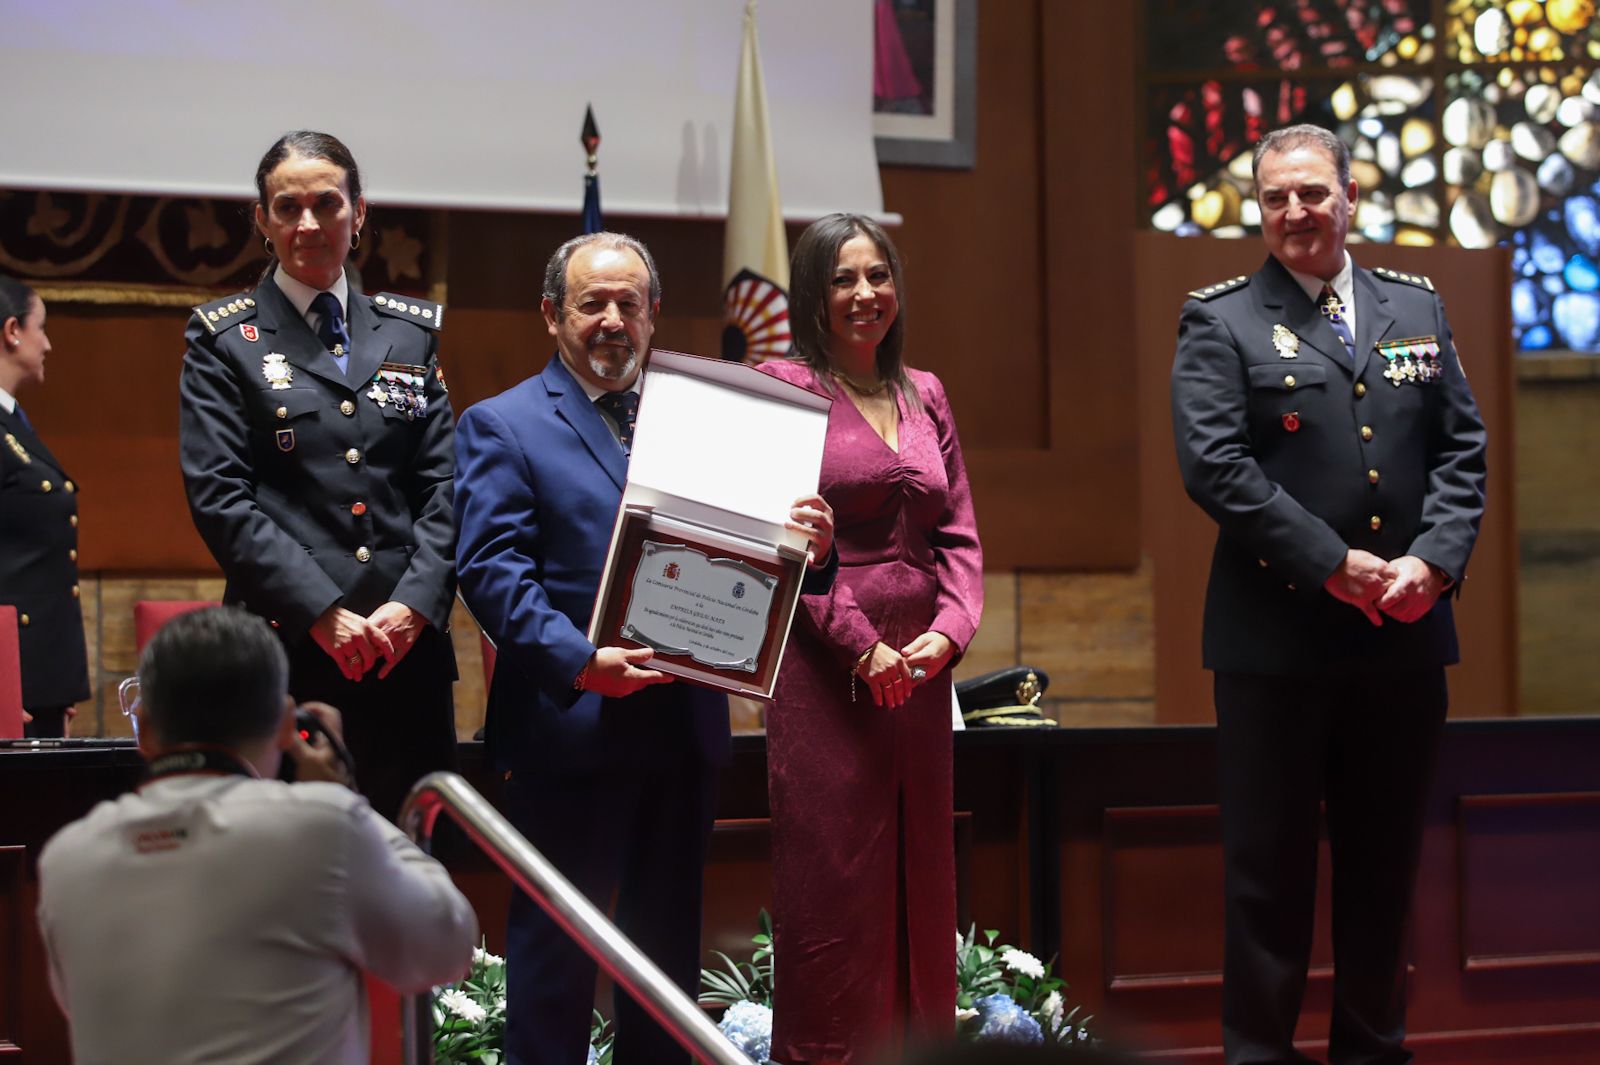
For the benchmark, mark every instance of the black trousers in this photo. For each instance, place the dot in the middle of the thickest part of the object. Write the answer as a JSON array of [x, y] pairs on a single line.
[[639, 836], [1364, 747], [398, 729], [49, 722]]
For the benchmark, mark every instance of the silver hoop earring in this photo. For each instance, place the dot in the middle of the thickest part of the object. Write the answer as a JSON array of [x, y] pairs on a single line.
[[355, 240], [266, 242]]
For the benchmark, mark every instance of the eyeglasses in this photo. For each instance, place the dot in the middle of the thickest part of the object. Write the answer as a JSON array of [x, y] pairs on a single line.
[[128, 699]]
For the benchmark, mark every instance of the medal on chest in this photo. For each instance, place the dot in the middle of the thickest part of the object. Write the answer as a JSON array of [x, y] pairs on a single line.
[[276, 369], [1287, 343], [402, 384], [1411, 360]]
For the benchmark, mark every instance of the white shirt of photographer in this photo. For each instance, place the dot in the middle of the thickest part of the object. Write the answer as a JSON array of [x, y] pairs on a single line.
[[229, 920]]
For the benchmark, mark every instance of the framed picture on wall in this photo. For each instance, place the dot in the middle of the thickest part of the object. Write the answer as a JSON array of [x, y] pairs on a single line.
[[924, 82]]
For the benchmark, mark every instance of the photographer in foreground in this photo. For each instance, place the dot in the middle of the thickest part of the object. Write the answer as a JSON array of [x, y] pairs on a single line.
[[244, 911]]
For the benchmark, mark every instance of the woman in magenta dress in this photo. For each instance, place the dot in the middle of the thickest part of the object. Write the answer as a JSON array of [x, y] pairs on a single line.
[[858, 738]]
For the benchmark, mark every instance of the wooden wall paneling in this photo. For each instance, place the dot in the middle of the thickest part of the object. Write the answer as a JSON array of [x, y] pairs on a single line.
[[109, 411], [1529, 865], [1178, 536]]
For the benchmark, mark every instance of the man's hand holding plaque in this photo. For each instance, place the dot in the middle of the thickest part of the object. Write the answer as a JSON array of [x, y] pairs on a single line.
[[614, 672]]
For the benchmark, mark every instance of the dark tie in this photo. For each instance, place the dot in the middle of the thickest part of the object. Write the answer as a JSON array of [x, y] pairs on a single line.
[[22, 416], [335, 337], [623, 408], [1333, 310]]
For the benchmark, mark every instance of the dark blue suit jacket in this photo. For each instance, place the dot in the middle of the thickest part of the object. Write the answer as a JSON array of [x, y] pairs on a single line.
[[539, 478]]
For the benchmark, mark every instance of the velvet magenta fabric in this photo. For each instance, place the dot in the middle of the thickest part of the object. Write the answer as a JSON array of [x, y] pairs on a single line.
[[863, 851]]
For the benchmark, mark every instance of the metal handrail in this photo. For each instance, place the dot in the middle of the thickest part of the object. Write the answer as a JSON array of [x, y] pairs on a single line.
[[626, 964]]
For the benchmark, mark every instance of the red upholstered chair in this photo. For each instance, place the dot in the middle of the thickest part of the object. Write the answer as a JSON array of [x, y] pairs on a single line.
[[383, 1003], [10, 676], [150, 614]]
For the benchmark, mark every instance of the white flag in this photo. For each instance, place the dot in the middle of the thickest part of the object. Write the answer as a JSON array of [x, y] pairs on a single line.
[[755, 260]]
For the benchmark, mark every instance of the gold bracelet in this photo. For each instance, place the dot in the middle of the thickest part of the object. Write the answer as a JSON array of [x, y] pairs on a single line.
[[855, 669]]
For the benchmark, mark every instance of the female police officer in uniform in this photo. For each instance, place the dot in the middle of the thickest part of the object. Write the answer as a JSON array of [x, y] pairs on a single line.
[[38, 529], [317, 451]]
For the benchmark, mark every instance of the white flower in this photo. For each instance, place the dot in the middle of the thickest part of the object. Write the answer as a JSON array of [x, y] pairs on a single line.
[[961, 941], [1020, 961], [965, 1015], [483, 957], [748, 1026], [457, 1002], [1051, 1011]]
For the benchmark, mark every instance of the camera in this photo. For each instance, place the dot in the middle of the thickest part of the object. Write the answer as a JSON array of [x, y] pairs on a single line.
[[310, 727]]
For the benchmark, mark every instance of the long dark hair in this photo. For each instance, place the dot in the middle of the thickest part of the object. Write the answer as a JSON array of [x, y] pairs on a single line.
[[16, 300], [816, 254], [308, 144]]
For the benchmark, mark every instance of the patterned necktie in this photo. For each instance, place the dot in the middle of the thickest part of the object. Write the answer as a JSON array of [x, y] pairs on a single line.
[[624, 409], [1333, 310], [331, 330]]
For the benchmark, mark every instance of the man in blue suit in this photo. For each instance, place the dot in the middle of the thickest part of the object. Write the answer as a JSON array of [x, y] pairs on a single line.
[[610, 770]]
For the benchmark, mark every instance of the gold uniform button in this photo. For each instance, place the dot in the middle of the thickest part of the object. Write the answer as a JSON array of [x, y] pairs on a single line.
[[73, 521], [72, 555], [1288, 381], [1366, 432], [1361, 389], [1261, 562], [22, 620], [363, 555], [1372, 476], [69, 486], [46, 486], [352, 456], [358, 508], [75, 592], [347, 408], [283, 412], [1377, 523]]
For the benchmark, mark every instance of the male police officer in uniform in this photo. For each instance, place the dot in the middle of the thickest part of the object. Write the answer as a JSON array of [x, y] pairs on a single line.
[[1323, 420]]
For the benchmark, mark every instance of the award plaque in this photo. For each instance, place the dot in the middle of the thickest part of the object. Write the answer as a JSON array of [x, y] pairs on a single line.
[[701, 569]]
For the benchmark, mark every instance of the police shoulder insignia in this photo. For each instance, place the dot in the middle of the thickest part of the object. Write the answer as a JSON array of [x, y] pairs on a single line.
[[1419, 280], [423, 312], [1211, 292], [219, 316]]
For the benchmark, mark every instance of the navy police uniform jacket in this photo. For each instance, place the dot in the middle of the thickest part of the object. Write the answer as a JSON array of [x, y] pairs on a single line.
[[310, 485], [1299, 456], [39, 567]]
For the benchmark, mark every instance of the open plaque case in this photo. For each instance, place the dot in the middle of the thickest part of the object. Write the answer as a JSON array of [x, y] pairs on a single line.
[[701, 568]]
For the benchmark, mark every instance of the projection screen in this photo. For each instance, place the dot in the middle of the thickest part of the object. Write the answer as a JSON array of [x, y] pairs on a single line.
[[470, 103]]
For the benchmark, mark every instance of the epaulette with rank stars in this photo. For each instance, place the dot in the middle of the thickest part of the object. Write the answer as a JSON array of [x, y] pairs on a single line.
[[1420, 280], [221, 315], [1211, 292], [423, 312]]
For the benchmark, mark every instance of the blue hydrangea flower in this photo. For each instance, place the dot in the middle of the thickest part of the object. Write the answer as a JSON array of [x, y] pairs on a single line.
[[1003, 1021], [748, 1026]]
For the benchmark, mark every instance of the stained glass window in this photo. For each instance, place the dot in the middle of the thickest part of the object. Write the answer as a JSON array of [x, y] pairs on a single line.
[[1483, 130]]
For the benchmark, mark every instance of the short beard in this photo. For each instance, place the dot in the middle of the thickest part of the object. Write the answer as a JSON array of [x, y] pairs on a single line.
[[606, 371]]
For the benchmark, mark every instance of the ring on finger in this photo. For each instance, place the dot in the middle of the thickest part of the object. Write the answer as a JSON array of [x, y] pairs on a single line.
[[354, 660], [919, 673]]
